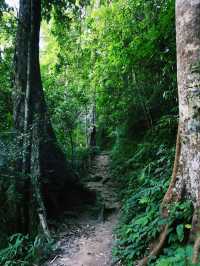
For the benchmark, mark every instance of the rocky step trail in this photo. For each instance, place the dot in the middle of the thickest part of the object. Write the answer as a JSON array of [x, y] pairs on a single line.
[[100, 182], [85, 239]]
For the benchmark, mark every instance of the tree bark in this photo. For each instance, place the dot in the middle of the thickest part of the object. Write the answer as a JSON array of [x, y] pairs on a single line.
[[185, 181], [188, 74], [41, 162]]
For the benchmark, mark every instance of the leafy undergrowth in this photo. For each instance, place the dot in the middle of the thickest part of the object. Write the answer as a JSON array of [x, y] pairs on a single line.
[[22, 251], [145, 175]]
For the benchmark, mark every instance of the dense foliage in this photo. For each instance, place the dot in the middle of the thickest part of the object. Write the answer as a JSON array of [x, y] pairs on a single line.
[[112, 66]]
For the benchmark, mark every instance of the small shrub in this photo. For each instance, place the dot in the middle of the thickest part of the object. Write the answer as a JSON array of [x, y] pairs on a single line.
[[22, 251]]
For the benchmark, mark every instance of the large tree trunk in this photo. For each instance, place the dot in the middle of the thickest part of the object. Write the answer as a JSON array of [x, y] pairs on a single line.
[[188, 72], [41, 162], [185, 181], [188, 64]]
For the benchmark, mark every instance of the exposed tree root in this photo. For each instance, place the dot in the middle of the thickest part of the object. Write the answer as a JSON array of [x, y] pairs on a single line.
[[195, 257], [157, 248], [168, 198], [169, 194]]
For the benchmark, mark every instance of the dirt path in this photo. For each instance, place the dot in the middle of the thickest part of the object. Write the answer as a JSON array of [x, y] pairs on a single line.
[[88, 240]]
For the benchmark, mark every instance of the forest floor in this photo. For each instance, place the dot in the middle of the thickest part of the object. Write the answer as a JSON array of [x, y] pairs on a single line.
[[86, 238]]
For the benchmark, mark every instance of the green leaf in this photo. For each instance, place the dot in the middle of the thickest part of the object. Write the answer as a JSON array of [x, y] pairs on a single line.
[[142, 221], [144, 200], [188, 226], [180, 232]]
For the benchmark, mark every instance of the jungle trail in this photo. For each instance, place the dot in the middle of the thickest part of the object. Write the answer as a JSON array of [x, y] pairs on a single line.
[[92, 97]]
